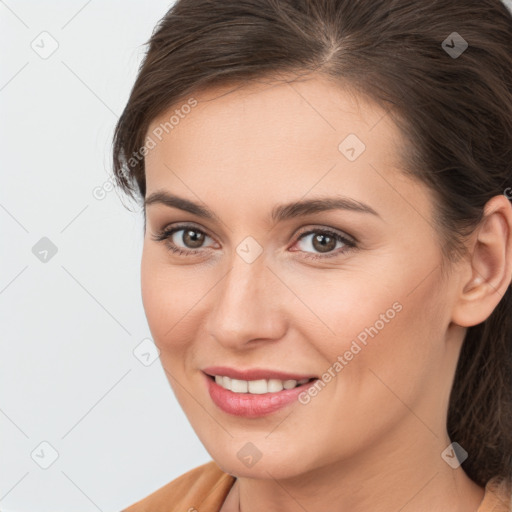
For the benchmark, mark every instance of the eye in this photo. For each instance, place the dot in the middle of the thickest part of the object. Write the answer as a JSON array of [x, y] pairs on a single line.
[[325, 241], [192, 238]]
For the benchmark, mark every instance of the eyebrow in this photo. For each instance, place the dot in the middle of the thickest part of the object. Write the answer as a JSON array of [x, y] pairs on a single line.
[[279, 213]]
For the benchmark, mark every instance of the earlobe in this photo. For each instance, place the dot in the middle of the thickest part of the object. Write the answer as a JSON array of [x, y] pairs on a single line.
[[490, 261]]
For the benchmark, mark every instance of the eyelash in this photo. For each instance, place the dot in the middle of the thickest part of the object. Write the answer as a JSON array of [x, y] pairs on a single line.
[[165, 234]]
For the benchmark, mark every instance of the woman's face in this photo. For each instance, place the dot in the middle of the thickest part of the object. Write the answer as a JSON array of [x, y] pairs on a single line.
[[262, 286]]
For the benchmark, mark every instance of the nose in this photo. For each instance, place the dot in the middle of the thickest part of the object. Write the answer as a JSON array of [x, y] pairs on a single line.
[[249, 305]]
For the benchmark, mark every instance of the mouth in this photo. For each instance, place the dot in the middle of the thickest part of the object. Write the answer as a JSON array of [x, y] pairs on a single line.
[[254, 398], [258, 386]]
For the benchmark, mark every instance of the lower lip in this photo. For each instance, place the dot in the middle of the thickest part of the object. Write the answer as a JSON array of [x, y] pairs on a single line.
[[251, 405]]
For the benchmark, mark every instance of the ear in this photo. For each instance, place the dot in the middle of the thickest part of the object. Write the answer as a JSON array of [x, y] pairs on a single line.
[[488, 271]]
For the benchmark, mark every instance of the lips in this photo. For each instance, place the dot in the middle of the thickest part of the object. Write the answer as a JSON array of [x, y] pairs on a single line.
[[255, 373], [252, 405]]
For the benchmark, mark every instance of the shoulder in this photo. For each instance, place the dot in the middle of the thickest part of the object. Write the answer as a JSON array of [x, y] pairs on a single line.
[[498, 495], [203, 488]]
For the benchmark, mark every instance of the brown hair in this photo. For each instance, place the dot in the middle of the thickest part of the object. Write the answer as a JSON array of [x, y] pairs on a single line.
[[454, 111]]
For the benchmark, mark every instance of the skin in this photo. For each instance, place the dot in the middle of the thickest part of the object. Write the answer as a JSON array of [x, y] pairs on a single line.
[[372, 438]]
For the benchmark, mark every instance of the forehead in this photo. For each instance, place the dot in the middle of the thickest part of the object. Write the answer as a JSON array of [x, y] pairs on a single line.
[[271, 141], [315, 111]]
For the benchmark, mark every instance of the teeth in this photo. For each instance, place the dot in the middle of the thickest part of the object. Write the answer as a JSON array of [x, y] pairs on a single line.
[[239, 386], [274, 385], [289, 384], [257, 387]]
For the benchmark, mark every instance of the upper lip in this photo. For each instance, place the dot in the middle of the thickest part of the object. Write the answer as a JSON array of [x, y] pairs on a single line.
[[254, 373]]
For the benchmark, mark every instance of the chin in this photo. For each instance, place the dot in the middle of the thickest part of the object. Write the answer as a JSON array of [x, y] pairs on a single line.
[[265, 468]]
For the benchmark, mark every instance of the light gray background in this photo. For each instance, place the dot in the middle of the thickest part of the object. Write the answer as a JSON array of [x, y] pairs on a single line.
[[69, 376]]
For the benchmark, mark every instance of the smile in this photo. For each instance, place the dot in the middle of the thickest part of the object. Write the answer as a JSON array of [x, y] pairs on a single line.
[[257, 387], [254, 398]]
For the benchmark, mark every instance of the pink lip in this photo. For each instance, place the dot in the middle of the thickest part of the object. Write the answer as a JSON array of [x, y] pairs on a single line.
[[251, 405], [254, 373]]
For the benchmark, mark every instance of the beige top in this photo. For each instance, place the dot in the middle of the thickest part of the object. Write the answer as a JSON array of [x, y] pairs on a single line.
[[205, 488]]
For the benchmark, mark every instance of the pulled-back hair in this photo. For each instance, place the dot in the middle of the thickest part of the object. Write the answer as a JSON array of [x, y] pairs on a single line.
[[453, 109]]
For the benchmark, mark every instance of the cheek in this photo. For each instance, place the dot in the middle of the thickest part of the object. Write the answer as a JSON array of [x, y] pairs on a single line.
[[151, 290], [165, 318], [159, 294], [339, 308], [402, 355], [171, 296], [386, 323]]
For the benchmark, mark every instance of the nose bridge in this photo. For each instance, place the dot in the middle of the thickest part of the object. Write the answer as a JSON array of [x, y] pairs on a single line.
[[246, 303]]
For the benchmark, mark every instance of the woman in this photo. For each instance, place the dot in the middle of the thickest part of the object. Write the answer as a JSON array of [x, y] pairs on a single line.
[[328, 249]]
